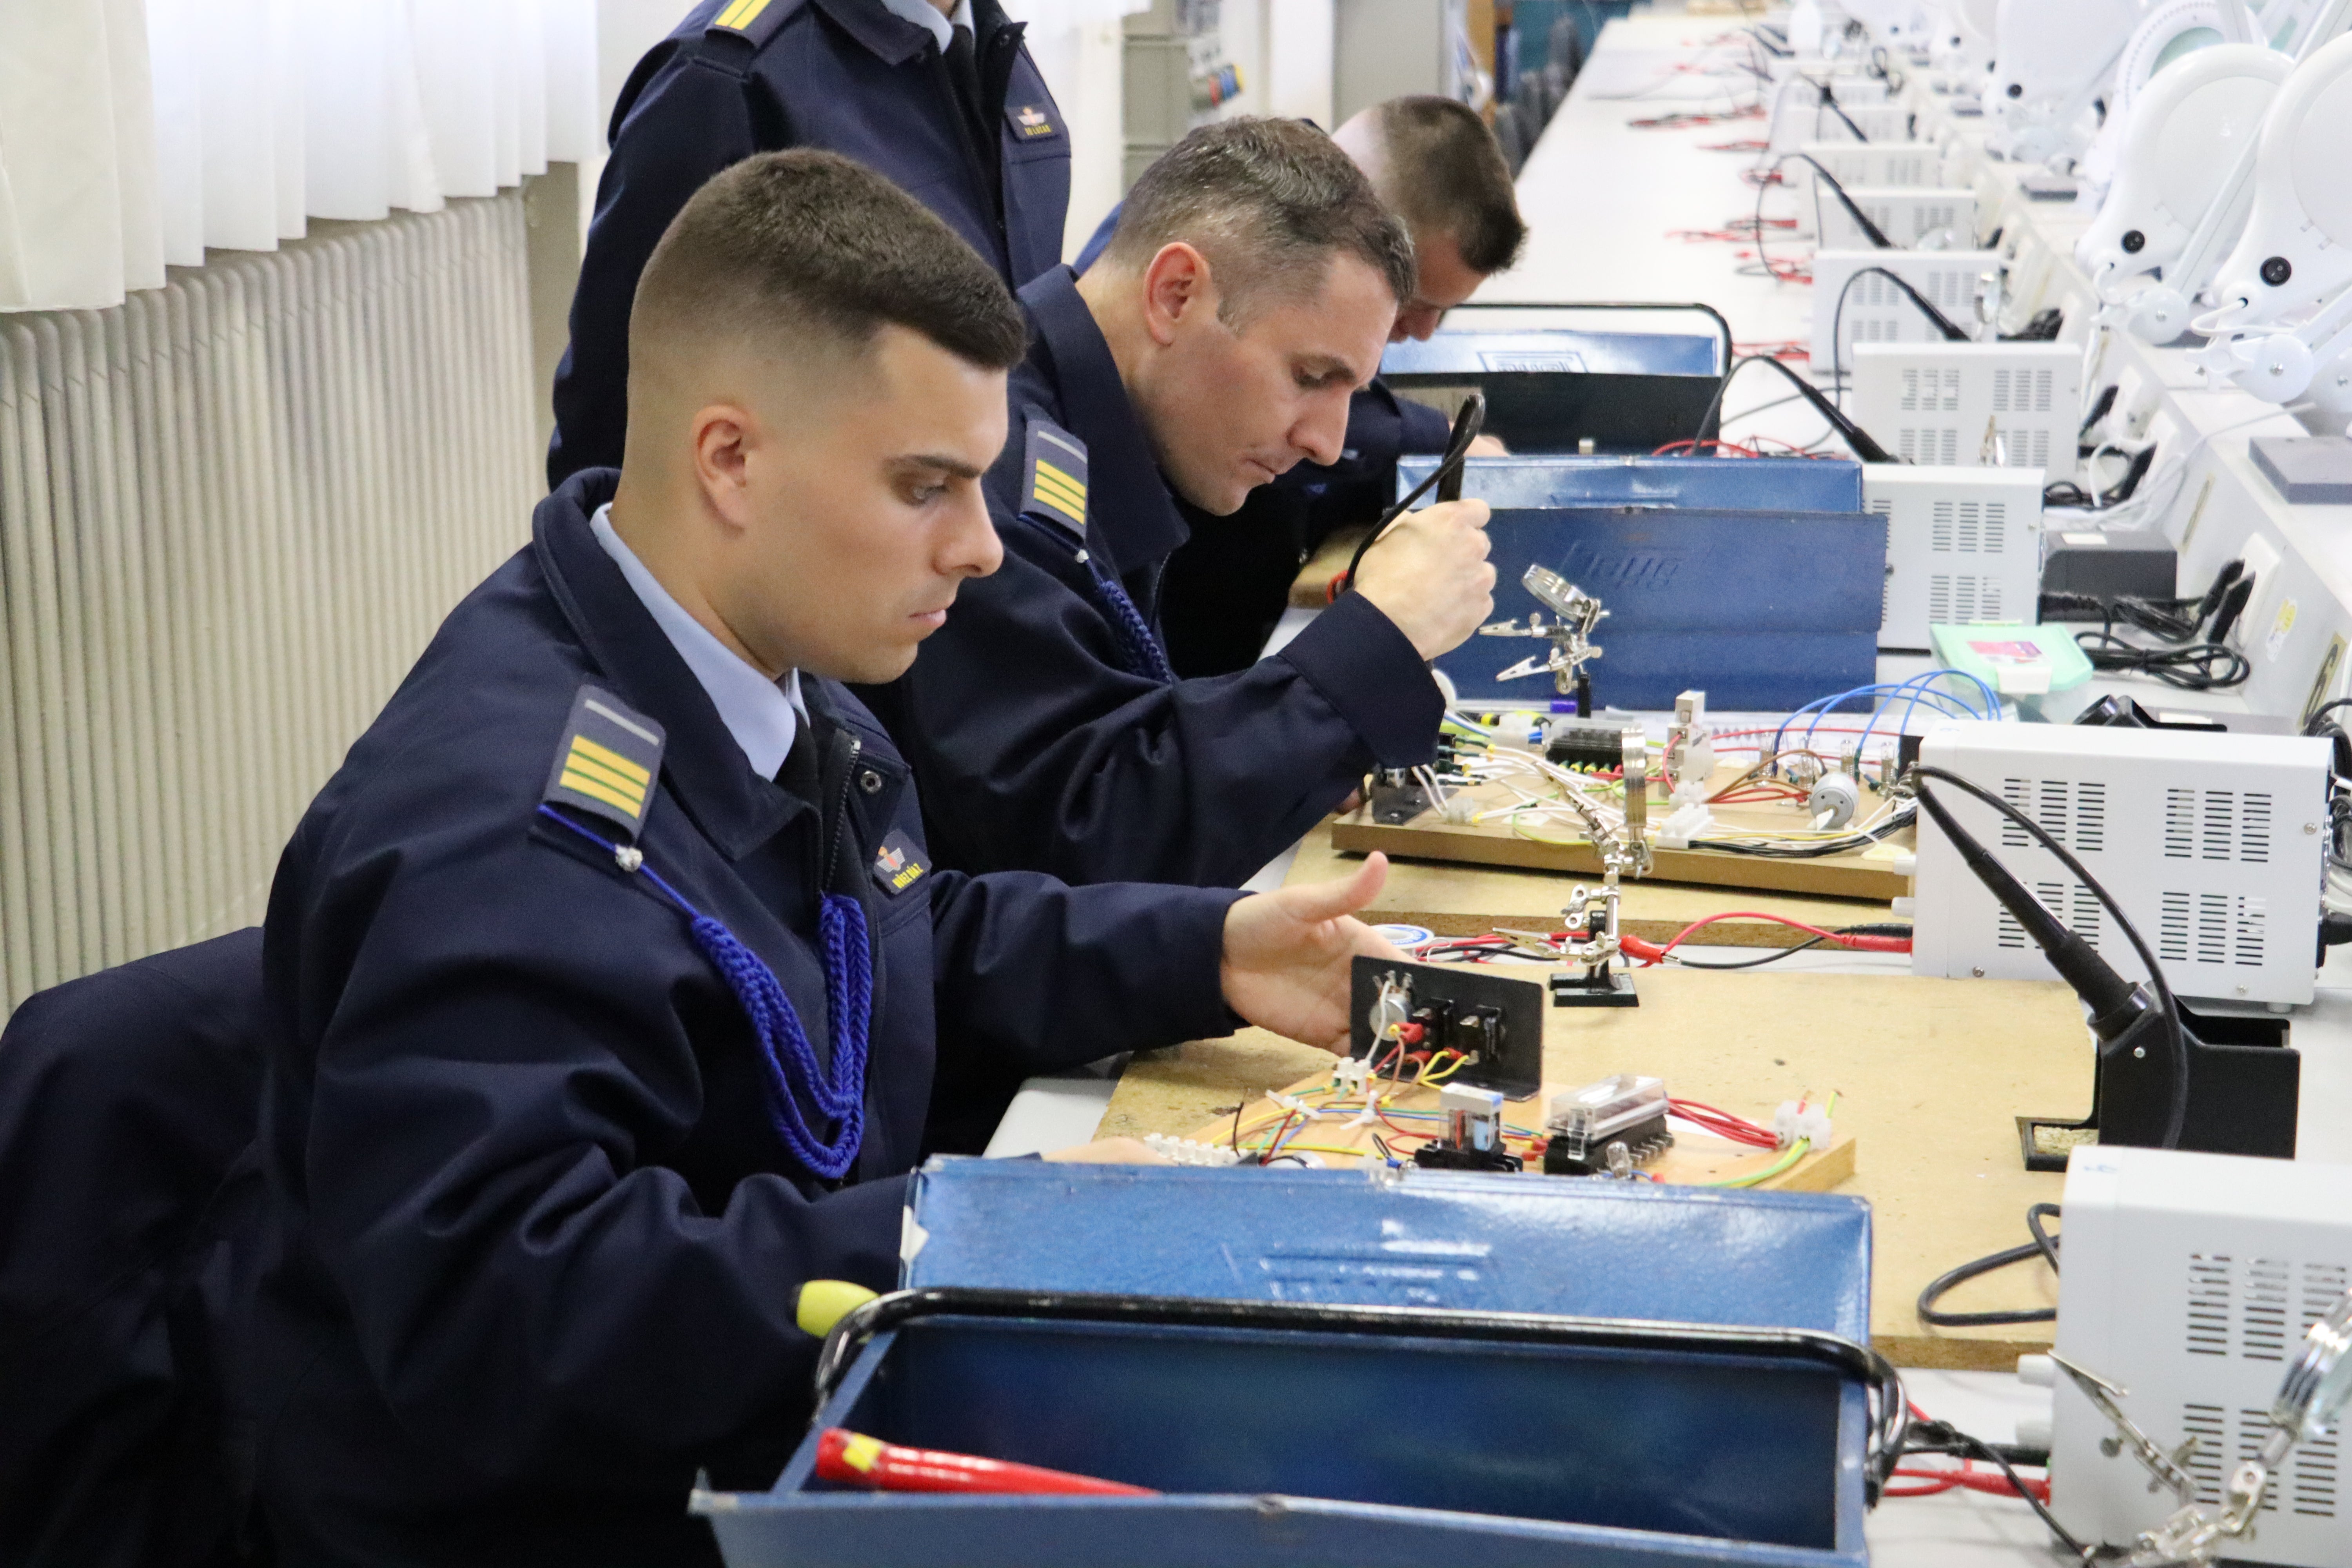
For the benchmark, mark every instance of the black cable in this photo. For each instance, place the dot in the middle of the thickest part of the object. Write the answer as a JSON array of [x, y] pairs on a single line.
[[1900, 819], [2100, 409], [1870, 231], [2177, 1038], [1948, 1441], [2043, 1246], [2067, 493], [1468, 421], [1778, 954], [2193, 667], [1935, 317], [1860, 440]]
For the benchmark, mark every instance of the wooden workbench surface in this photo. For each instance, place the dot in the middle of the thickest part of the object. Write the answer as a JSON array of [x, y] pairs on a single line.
[[1462, 900], [1931, 1074]]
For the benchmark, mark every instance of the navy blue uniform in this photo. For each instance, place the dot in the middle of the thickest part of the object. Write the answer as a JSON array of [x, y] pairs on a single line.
[[1044, 742], [1227, 585], [536, 1236], [741, 77]]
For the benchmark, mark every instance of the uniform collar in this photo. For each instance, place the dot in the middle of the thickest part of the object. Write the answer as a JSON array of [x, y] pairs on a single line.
[[763, 715], [1127, 498], [926, 15], [894, 39], [703, 765]]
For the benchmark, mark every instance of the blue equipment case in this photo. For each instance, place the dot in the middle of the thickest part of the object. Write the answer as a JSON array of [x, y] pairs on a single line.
[[1352, 1450], [1760, 581], [1629, 378]]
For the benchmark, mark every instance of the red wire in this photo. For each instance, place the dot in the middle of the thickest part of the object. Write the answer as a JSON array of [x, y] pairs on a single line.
[[1856, 940]]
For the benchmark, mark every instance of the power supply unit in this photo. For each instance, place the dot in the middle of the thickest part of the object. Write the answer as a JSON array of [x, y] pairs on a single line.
[[1944, 404], [1962, 545], [2214, 844], [1856, 306], [2189, 1281]]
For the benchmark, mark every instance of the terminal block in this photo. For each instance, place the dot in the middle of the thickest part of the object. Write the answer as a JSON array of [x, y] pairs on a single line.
[[1623, 1115]]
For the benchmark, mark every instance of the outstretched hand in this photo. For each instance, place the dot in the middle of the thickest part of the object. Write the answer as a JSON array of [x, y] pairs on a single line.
[[1289, 954]]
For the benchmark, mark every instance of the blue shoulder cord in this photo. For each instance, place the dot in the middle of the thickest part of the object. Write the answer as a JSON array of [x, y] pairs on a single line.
[[792, 1072], [1145, 657]]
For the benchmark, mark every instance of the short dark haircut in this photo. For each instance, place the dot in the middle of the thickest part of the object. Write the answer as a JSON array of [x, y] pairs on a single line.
[[1445, 173], [809, 245], [1270, 203]]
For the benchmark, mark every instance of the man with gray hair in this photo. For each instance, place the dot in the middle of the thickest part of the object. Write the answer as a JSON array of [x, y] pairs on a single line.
[[1254, 278]]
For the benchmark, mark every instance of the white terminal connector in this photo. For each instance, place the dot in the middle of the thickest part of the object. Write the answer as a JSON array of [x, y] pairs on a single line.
[[1186, 1152], [1683, 824], [1353, 1074], [1790, 1124]]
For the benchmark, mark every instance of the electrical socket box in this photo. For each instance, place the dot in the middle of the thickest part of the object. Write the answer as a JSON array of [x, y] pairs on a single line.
[[1852, 163], [2215, 845], [1967, 405], [1962, 544], [1903, 213], [2190, 1280], [1868, 308], [1499, 1022]]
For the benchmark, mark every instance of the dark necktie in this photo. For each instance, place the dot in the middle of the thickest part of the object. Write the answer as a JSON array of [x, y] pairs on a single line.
[[963, 74]]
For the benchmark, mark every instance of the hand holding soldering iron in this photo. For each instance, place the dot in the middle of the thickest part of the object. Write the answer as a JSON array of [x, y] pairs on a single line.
[[1430, 576]]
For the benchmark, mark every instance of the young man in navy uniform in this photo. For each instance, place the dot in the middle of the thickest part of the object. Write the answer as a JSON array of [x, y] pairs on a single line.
[[611, 980], [938, 95], [1253, 281], [1437, 166]]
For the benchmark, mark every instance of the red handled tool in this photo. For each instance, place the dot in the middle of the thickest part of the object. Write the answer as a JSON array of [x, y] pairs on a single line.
[[858, 1460]]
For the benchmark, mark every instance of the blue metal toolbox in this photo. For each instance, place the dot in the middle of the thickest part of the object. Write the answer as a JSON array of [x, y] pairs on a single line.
[[1724, 484], [1629, 378], [1320, 1367]]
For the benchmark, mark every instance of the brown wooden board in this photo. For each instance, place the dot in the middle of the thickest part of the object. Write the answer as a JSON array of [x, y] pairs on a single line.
[[1860, 874], [1929, 1072], [1456, 900]]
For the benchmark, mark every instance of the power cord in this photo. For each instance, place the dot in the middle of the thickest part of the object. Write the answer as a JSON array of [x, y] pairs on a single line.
[[2043, 1246]]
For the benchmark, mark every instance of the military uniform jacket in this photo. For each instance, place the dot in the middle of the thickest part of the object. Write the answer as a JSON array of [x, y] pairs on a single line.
[[1039, 746], [739, 77], [534, 1241], [1229, 583]]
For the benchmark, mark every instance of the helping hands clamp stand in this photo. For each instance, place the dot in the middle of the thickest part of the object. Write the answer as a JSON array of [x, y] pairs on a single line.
[[1571, 635]]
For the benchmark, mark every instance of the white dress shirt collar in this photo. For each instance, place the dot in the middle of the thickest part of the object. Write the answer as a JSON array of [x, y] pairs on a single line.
[[763, 715], [926, 15]]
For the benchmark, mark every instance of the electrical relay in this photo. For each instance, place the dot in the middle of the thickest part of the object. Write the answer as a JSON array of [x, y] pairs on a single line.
[[1473, 1139], [1621, 1112], [1494, 1024]]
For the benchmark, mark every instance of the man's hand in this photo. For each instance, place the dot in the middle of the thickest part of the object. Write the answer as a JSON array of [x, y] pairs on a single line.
[[1287, 955], [1429, 573], [1488, 447]]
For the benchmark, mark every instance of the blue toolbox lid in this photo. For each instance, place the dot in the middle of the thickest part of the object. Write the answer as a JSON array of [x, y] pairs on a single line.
[[1457, 1240], [1725, 484]]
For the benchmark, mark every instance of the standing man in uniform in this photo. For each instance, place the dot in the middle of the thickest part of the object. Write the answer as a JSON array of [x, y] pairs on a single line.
[[610, 981], [938, 95], [1437, 166], [1218, 341]]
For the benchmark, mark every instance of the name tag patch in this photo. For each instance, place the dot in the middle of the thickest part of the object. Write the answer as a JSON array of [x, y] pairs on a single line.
[[1031, 121], [899, 865], [1054, 481]]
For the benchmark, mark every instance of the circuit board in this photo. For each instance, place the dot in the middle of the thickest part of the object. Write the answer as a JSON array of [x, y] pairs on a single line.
[[1514, 821]]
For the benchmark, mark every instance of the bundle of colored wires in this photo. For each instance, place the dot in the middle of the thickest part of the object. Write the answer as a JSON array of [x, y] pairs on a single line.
[[1723, 1124], [1873, 938]]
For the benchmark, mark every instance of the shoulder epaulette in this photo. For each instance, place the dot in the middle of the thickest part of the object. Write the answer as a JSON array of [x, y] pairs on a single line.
[[1053, 476], [607, 761], [754, 21]]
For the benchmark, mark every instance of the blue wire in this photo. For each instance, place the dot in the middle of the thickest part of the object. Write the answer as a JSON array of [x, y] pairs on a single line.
[[1917, 689]]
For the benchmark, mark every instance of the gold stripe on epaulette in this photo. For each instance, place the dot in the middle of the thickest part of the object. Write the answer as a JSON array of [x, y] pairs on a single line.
[[582, 746], [596, 789], [741, 15]]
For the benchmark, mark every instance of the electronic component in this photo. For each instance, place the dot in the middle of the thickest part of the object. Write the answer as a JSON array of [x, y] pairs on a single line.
[[1473, 1140], [1186, 1151], [1395, 799], [1494, 1024], [2192, 1281], [1624, 1113], [2123, 564], [1584, 743], [1832, 802]]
